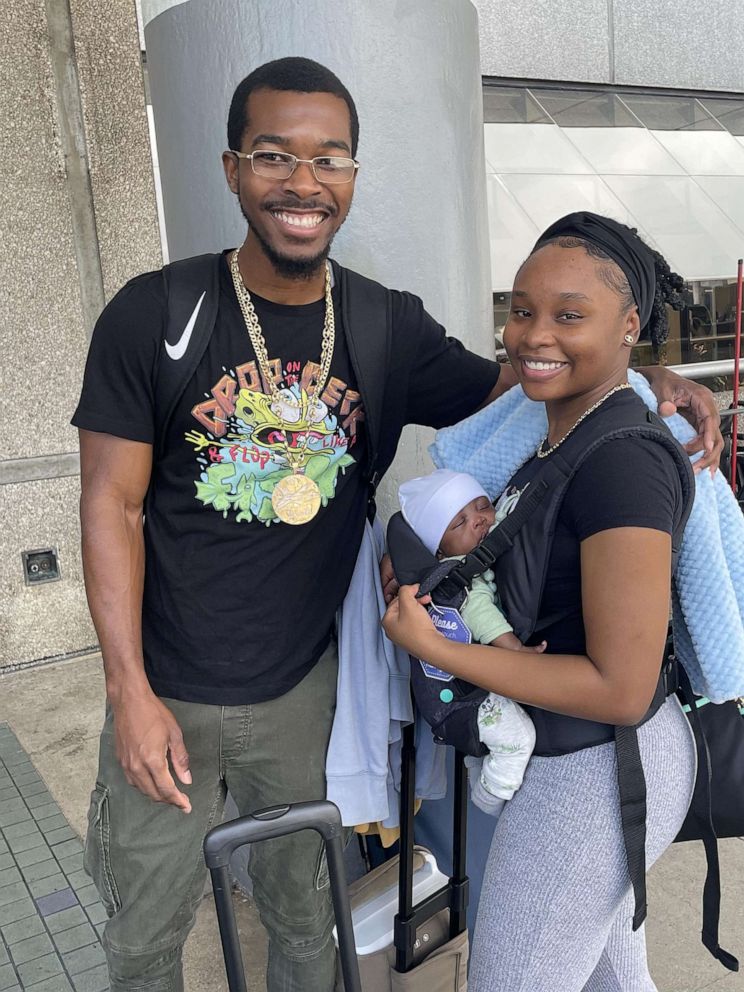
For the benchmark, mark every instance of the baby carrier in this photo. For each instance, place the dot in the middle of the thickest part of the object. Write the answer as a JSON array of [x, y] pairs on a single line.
[[518, 552]]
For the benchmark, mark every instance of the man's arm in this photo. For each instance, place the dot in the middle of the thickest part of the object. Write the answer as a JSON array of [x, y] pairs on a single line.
[[507, 378], [115, 474], [696, 404], [675, 395]]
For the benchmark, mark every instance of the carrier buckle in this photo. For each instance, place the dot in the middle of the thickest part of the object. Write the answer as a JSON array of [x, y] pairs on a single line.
[[458, 580], [483, 555], [669, 675]]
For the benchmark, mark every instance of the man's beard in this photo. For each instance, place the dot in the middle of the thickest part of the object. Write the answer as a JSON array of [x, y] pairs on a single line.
[[290, 268]]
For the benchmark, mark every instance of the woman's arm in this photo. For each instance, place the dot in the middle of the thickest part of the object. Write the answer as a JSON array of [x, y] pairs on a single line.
[[626, 577]]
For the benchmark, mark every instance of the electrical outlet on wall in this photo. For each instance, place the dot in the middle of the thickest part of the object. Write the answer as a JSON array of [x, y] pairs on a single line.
[[41, 566]]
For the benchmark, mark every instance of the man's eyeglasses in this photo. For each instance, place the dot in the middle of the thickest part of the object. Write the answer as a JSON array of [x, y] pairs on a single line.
[[281, 165]]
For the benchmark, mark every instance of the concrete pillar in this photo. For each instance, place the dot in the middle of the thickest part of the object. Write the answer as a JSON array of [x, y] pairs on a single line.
[[419, 220]]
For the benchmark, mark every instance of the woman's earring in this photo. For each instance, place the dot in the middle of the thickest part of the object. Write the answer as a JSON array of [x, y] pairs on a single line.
[[629, 340]]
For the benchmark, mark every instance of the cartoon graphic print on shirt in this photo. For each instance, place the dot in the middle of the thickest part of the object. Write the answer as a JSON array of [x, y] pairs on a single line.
[[242, 455]]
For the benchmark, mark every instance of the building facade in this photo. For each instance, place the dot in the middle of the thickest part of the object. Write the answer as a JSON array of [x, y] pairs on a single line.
[[626, 107]]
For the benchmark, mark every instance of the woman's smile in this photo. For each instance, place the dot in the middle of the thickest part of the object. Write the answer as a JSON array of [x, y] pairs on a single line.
[[540, 369]]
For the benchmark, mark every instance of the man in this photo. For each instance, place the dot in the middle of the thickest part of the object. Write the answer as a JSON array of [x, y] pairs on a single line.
[[215, 617]]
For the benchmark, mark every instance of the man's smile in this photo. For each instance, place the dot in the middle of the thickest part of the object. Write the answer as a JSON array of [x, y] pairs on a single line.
[[299, 219], [299, 224]]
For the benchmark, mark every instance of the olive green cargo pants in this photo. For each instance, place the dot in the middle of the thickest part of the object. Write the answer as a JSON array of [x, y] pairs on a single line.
[[146, 857]]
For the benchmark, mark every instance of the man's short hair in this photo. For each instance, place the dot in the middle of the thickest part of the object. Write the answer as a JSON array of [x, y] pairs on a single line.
[[297, 75]]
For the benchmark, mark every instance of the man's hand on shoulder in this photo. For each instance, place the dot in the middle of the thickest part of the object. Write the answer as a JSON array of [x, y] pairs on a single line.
[[146, 735], [697, 405]]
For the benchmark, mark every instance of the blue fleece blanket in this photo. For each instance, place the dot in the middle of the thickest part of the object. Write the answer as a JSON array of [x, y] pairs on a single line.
[[708, 595]]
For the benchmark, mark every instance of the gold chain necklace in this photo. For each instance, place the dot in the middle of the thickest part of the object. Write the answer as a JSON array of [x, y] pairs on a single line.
[[295, 498], [584, 415]]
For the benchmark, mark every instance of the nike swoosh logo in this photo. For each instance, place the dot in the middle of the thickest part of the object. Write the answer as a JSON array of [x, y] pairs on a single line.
[[178, 350]]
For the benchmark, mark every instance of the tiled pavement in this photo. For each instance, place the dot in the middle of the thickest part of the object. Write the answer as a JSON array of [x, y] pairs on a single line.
[[50, 915]]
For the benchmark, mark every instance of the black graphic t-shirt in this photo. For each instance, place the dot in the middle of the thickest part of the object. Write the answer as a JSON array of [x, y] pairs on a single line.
[[237, 605]]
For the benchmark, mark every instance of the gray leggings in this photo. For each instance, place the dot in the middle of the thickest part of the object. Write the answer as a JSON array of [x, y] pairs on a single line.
[[556, 905]]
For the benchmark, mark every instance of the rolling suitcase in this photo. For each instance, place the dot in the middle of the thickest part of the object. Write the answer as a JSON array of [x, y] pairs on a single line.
[[276, 821], [428, 951]]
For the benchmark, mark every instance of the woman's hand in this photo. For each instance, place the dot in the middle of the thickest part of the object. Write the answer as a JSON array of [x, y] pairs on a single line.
[[407, 622], [697, 405]]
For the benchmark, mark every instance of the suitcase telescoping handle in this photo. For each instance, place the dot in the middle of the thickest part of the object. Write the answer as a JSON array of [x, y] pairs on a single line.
[[454, 895], [265, 824]]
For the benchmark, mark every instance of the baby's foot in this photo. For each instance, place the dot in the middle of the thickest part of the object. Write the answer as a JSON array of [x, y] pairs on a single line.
[[484, 799]]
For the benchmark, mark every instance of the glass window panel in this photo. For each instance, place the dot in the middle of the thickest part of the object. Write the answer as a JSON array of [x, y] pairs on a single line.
[[628, 151], [531, 148], [512, 235], [670, 113], [511, 105], [546, 198], [718, 154], [727, 192], [695, 236], [584, 108], [729, 113]]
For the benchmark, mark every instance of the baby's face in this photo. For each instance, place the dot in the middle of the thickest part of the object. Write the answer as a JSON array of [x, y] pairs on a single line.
[[467, 528]]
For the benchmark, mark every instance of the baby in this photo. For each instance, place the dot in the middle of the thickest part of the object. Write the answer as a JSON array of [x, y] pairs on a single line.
[[451, 514]]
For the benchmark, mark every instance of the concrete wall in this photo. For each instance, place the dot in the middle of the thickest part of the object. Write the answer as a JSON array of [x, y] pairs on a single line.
[[77, 218], [674, 43], [419, 219]]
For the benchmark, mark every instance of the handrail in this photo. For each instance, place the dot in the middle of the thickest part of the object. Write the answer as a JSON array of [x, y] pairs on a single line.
[[704, 370]]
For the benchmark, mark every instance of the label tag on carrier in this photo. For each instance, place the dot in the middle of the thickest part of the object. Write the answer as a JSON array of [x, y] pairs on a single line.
[[448, 621]]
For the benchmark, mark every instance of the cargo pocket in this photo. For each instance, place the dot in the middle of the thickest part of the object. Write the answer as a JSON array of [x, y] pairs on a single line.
[[97, 856]]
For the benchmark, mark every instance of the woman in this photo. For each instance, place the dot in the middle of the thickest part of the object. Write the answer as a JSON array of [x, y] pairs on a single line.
[[557, 903]]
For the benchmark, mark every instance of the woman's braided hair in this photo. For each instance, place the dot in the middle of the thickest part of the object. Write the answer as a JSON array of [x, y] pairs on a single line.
[[669, 285]]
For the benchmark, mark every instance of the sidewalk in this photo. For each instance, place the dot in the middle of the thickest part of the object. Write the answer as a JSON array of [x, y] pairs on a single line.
[[56, 713]]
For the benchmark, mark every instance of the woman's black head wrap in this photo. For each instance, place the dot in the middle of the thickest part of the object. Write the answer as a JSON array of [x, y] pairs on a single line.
[[620, 244]]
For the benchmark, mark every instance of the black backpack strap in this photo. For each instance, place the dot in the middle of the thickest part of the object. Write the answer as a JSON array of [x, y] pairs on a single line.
[[702, 811], [366, 317], [192, 288]]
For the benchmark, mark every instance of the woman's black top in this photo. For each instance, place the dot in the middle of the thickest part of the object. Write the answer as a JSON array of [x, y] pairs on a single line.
[[627, 482]]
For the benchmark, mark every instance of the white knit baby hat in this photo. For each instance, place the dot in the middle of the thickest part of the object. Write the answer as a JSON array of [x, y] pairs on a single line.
[[430, 502]]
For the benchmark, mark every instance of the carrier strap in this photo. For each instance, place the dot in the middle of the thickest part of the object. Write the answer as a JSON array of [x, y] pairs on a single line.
[[702, 811], [632, 786], [631, 783]]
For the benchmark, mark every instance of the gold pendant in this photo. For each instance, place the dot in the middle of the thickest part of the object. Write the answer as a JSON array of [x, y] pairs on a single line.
[[296, 499]]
